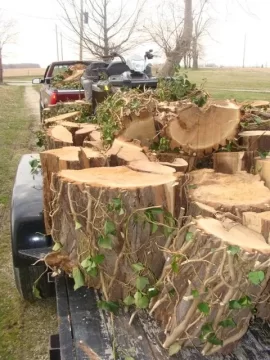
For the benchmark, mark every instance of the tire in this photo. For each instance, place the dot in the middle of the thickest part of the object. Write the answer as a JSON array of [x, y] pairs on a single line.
[[25, 278]]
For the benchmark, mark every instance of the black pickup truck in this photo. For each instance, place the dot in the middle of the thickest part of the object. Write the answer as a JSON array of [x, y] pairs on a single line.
[[85, 331]]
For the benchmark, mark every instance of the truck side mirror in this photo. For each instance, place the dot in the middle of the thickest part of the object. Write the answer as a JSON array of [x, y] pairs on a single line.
[[37, 81]]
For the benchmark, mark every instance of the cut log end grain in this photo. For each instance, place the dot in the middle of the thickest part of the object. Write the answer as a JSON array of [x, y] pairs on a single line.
[[140, 128], [234, 234], [234, 193], [81, 134], [63, 117], [58, 137], [122, 153], [117, 177], [202, 129], [150, 167], [180, 165]]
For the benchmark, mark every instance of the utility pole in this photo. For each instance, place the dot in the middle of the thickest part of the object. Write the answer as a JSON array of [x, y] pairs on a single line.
[[61, 45], [244, 52], [81, 31], [57, 47]]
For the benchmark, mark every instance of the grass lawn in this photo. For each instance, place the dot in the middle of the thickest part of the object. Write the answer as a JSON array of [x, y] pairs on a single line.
[[24, 327]]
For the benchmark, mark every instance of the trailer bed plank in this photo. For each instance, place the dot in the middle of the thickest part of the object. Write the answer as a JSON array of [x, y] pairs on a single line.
[[64, 326], [93, 329], [90, 333]]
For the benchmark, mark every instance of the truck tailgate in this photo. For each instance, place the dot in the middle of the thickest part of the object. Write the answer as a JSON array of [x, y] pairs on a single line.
[[69, 95]]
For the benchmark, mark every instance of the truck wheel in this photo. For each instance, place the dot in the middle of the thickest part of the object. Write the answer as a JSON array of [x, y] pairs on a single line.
[[25, 278]]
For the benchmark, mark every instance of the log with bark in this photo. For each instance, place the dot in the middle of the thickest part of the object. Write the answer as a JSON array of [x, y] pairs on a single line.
[[53, 161], [214, 276], [83, 133], [234, 193], [259, 222], [233, 162], [114, 215], [189, 128], [255, 140], [66, 107], [57, 137], [63, 117], [122, 153], [262, 167]]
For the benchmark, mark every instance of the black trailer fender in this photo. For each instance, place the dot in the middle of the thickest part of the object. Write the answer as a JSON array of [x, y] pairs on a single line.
[[28, 239]]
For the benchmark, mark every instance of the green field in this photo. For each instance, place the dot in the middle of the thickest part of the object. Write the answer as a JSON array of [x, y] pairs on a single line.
[[24, 327]]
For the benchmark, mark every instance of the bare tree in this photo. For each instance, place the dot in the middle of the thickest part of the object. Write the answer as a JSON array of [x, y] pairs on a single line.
[[108, 27], [7, 36], [201, 23], [172, 34]]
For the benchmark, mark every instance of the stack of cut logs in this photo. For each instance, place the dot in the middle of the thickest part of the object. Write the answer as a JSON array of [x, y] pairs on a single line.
[[199, 237]]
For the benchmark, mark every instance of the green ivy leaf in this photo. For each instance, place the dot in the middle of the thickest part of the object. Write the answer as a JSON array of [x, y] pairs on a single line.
[[154, 228], [105, 242], [98, 259], [137, 267], [204, 308], [206, 329], [57, 246], [263, 154], [36, 291], [156, 211], [195, 294], [234, 305], [175, 267], [111, 306], [78, 278], [213, 339], [109, 227], [141, 282], [189, 236], [78, 226], [258, 120], [92, 271], [141, 301], [86, 262], [174, 348], [129, 300], [227, 323], [152, 292], [256, 277], [192, 186], [234, 249], [245, 301]]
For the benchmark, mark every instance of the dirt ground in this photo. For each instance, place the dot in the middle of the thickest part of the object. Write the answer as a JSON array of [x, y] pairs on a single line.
[[24, 327]]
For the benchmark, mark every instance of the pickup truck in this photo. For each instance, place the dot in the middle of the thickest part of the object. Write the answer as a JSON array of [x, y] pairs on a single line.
[[48, 94], [86, 331]]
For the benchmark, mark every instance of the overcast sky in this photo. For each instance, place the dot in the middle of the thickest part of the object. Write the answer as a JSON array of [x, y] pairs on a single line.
[[36, 20]]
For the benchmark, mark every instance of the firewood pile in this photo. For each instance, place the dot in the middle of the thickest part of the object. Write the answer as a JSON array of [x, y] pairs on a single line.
[[70, 78], [165, 207]]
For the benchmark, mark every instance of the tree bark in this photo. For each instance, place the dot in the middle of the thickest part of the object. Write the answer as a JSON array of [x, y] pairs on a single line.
[[182, 44], [53, 161], [84, 204], [233, 162], [205, 279], [255, 140]]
